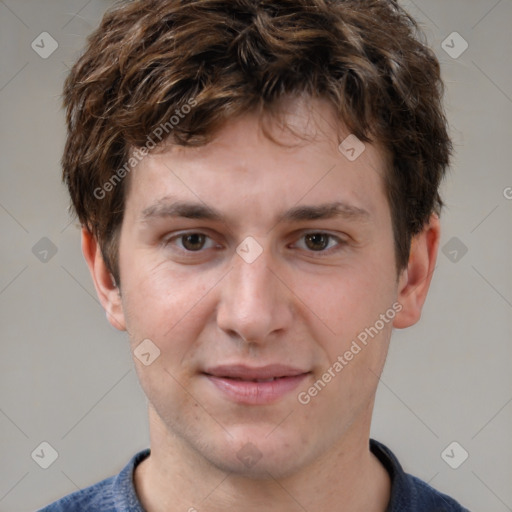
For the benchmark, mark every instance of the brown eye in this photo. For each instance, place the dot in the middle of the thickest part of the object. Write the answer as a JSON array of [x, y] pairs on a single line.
[[317, 241], [193, 241]]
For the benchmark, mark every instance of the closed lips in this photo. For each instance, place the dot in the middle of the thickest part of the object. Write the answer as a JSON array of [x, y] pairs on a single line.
[[250, 374], [270, 379]]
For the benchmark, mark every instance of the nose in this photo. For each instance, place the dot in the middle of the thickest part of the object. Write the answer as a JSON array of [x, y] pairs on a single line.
[[255, 305]]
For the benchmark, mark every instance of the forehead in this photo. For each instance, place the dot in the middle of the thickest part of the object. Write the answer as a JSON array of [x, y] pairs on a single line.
[[301, 160]]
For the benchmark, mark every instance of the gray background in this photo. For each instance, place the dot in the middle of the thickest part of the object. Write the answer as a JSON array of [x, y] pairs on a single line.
[[67, 377]]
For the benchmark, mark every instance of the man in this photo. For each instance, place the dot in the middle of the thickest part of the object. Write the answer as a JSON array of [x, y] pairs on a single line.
[[257, 183]]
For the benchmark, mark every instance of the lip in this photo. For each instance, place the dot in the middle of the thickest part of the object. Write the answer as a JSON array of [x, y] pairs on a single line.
[[238, 382]]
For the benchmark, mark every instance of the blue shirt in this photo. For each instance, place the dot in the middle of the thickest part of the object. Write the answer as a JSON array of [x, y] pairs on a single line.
[[117, 493]]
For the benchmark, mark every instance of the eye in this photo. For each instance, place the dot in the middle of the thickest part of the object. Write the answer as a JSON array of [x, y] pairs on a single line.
[[320, 242], [190, 242]]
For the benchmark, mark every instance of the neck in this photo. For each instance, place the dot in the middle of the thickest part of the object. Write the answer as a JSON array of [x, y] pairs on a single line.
[[176, 478]]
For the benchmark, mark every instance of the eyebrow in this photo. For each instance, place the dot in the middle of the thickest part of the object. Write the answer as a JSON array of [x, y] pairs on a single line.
[[166, 207]]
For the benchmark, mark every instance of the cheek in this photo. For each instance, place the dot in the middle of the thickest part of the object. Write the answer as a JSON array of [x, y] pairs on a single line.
[[165, 306], [347, 300]]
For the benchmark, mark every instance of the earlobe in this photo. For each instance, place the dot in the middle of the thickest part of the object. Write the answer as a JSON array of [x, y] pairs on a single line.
[[414, 281], [106, 287]]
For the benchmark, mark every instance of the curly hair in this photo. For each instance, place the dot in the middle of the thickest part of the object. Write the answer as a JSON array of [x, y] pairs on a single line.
[[149, 58]]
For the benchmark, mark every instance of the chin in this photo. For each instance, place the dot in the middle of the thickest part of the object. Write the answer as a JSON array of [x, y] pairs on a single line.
[[258, 453]]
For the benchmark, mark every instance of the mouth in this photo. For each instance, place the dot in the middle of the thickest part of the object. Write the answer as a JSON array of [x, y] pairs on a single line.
[[255, 386]]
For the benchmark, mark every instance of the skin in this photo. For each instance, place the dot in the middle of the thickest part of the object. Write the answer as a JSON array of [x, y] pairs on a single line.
[[297, 304]]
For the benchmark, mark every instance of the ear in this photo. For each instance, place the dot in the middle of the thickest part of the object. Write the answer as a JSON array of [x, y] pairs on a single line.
[[106, 288], [414, 281]]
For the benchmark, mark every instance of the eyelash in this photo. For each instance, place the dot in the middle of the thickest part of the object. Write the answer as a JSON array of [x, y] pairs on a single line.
[[328, 251]]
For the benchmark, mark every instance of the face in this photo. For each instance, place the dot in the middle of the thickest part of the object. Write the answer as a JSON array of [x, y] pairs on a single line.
[[254, 268]]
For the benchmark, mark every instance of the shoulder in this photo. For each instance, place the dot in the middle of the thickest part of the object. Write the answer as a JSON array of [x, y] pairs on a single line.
[[430, 499], [110, 495], [409, 493], [96, 497]]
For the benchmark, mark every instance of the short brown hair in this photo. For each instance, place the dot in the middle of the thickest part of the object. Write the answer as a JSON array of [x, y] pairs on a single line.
[[149, 58]]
